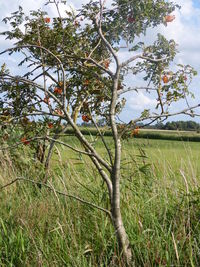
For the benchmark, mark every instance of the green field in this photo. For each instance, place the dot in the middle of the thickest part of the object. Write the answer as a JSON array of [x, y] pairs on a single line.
[[160, 204], [192, 136]]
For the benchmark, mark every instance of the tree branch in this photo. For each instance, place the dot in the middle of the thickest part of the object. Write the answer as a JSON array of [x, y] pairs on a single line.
[[105, 41], [104, 163], [30, 82], [58, 192], [153, 60], [98, 65], [50, 53], [71, 147], [141, 56], [156, 117], [123, 91], [21, 143], [125, 63], [102, 138]]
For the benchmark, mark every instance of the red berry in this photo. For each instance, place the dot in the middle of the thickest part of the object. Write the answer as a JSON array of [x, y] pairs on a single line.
[[169, 18], [47, 20], [50, 125], [85, 118], [165, 79], [25, 141], [58, 90], [131, 19], [46, 100]]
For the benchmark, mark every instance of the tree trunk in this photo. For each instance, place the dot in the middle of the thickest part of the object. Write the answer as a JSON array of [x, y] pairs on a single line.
[[120, 232], [47, 162], [40, 152], [49, 155], [122, 237]]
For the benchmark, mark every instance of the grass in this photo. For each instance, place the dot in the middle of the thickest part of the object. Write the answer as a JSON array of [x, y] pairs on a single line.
[[160, 205]]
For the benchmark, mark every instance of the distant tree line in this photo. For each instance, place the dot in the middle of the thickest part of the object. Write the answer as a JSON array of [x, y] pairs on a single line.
[[177, 125], [173, 125]]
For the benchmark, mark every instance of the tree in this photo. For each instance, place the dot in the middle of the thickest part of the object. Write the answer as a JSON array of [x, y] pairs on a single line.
[[73, 55], [180, 125]]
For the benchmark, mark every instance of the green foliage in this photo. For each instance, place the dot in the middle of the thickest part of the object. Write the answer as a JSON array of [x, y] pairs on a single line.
[[68, 42], [129, 19]]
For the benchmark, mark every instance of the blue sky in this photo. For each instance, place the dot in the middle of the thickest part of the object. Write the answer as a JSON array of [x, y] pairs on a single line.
[[196, 3], [184, 30]]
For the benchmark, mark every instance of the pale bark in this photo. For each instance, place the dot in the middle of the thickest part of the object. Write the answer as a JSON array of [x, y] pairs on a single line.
[[122, 237], [50, 151], [120, 231], [47, 161]]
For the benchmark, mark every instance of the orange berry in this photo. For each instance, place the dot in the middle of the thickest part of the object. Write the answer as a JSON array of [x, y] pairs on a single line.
[[106, 63], [46, 100], [59, 112], [86, 82], [169, 18], [50, 125], [85, 118], [25, 141], [47, 20], [58, 90], [135, 132], [165, 79]]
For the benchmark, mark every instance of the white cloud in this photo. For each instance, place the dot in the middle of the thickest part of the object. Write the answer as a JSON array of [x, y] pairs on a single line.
[[185, 31], [140, 101]]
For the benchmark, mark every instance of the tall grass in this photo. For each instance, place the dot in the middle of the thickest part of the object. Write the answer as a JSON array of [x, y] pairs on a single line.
[[160, 205]]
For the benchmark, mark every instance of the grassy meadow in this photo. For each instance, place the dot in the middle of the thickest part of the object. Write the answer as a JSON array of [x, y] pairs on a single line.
[[160, 205]]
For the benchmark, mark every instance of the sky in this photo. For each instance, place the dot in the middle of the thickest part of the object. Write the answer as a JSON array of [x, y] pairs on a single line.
[[185, 30]]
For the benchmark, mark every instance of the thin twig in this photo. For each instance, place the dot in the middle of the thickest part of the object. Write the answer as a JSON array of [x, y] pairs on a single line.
[[73, 148], [21, 143], [123, 91], [154, 60], [102, 138], [105, 41], [156, 117], [58, 192]]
